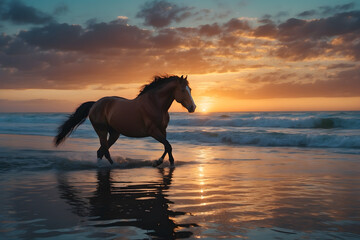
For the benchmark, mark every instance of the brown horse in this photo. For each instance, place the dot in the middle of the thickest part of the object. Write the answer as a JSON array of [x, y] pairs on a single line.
[[146, 115]]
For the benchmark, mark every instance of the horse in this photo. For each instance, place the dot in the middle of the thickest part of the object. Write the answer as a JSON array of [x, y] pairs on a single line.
[[144, 116]]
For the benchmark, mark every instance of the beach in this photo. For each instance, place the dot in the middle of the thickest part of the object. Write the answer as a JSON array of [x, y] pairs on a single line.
[[237, 176]]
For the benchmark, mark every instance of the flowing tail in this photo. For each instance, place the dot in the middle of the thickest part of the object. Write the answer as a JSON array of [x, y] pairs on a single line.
[[75, 119]]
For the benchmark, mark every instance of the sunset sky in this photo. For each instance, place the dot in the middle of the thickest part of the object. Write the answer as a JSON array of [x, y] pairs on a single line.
[[245, 55]]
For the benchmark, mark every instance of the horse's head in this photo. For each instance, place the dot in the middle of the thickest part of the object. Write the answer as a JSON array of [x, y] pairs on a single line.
[[183, 94]]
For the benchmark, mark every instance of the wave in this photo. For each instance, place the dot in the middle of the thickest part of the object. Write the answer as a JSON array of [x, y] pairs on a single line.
[[272, 122], [268, 139]]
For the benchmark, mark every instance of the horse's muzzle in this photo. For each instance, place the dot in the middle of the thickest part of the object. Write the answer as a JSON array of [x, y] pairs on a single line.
[[192, 108]]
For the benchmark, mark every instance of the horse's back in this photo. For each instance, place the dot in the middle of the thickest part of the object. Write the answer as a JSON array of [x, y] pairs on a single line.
[[121, 114], [100, 110]]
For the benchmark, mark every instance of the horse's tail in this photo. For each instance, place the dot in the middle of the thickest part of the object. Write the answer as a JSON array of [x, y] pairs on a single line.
[[74, 120]]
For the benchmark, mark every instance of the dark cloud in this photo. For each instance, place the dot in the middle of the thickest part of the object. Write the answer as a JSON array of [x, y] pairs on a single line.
[[97, 36], [341, 66], [299, 39], [308, 13], [120, 35], [267, 30], [4, 40], [299, 50], [162, 13], [18, 13], [210, 30], [167, 39], [341, 23], [281, 14], [277, 16], [18, 47], [235, 24], [54, 36], [61, 9], [327, 10]]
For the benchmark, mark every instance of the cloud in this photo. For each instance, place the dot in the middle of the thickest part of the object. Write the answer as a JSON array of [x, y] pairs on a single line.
[[19, 13], [327, 10], [63, 56], [343, 84], [62, 8], [341, 23], [305, 39], [118, 34], [4, 40], [166, 39], [308, 13], [341, 66], [210, 30], [235, 24], [97, 36], [162, 13], [266, 30], [299, 50]]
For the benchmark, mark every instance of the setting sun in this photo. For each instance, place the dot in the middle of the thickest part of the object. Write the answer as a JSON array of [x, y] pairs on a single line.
[[204, 104]]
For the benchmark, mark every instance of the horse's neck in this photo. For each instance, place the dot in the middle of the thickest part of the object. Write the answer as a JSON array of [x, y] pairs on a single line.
[[166, 96]]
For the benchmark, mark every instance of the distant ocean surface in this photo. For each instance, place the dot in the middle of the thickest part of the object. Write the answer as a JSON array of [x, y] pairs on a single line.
[[263, 129]]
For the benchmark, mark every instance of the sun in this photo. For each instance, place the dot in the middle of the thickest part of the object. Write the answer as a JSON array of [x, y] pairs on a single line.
[[205, 104]]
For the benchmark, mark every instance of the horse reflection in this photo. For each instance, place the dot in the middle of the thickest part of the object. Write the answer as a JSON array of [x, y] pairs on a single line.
[[144, 206]]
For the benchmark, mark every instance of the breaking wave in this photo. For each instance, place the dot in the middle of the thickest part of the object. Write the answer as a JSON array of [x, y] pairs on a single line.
[[280, 121], [268, 139]]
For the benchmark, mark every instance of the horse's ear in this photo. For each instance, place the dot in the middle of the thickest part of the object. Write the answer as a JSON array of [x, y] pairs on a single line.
[[186, 77], [182, 76]]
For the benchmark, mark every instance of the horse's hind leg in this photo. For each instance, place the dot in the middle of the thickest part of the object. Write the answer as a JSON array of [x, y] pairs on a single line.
[[113, 136], [102, 132]]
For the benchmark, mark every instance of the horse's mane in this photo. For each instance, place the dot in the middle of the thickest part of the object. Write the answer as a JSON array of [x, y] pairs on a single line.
[[158, 82]]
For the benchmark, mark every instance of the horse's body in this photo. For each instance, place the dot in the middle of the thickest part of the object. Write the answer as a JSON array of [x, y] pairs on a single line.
[[146, 115]]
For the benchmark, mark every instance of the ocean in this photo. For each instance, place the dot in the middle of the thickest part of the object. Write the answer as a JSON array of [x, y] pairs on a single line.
[[253, 175], [266, 129]]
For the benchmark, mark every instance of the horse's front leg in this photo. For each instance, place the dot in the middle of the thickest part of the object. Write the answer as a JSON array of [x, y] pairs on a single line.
[[161, 137]]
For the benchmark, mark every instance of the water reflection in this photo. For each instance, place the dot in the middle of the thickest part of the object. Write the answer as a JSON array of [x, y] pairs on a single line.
[[144, 206]]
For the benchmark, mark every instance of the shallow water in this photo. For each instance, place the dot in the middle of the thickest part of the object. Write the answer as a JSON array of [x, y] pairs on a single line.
[[215, 191]]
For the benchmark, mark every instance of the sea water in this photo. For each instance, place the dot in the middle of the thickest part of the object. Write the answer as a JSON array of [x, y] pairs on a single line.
[[256, 175], [290, 129]]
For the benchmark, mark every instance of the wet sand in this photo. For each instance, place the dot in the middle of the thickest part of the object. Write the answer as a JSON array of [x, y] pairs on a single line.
[[228, 192]]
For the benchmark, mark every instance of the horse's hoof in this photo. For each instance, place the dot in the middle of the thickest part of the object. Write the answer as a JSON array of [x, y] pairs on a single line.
[[157, 162], [172, 166]]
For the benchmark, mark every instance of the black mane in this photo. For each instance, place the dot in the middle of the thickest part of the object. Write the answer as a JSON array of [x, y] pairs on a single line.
[[159, 81]]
